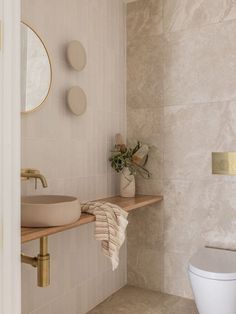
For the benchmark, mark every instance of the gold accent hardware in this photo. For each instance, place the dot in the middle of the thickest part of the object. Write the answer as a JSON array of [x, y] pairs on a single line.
[[224, 163], [29, 260], [42, 262], [34, 173]]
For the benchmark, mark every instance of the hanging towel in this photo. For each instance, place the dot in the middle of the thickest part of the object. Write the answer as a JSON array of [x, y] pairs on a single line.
[[110, 225]]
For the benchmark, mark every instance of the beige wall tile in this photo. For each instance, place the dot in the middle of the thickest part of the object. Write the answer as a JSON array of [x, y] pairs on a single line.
[[192, 133], [188, 207], [144, 18], [196, 80], [146, 228], [73, 302], [185, 14], [146, 125], [145, 248], [196, 70], [219, 224], [145, 72], [44, 310], [145, 268], [176, 279], [150, 186], [196, 213]]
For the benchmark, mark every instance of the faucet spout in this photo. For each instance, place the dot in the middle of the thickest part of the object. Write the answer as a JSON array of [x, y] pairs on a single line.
[[42, 179], [33, 173]]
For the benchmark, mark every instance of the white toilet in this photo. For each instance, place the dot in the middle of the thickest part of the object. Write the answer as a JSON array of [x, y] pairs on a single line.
[[213, 277]]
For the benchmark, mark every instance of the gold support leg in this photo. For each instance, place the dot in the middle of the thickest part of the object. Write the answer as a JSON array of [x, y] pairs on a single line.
[[42, 262]]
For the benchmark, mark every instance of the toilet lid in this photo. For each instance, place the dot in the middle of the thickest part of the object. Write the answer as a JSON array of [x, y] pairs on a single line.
[[214, 264]]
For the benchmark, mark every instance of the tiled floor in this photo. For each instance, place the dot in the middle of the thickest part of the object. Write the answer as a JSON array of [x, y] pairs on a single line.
[[131, 300]]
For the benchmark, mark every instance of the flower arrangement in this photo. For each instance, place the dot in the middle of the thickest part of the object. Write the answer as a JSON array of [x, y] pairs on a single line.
[[134, 159]]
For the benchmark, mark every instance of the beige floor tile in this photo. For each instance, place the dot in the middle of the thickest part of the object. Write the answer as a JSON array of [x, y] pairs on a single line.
[[132, 300]]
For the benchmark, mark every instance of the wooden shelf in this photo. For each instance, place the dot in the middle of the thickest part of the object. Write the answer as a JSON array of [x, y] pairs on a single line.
[[128, 204]]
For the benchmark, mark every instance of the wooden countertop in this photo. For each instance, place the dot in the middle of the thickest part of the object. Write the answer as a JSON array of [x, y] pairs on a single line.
[[128, 204]]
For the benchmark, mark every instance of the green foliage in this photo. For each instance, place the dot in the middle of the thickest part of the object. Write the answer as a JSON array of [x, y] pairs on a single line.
[[123, 158]]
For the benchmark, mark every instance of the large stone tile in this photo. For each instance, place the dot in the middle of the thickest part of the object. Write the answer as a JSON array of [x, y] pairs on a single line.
[[196, 70], [145, 268], [149, 187], [145, 66], [145, 229], [220, 221], [184, 14], [197, 213], [175, 305], [196, 84], [150, 133], [186, 209], [140, 301], [192, 133], [129, 300], [144, 18], [176, 279], [146, 125]]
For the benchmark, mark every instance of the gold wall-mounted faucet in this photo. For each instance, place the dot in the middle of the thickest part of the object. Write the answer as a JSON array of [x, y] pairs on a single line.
[[35, 174]]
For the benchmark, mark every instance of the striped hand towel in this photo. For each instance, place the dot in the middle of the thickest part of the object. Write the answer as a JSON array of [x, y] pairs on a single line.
[[110, 225]]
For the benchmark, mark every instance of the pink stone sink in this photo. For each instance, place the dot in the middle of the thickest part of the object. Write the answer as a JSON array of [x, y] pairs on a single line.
[[49, 210]]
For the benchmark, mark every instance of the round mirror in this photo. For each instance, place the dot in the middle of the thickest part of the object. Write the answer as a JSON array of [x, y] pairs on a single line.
[[36, 71]]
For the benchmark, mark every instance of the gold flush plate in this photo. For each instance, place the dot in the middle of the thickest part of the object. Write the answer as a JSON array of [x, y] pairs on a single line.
[[224, 163]]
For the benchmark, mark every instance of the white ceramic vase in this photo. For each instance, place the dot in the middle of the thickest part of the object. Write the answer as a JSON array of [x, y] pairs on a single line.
[[127, 183]]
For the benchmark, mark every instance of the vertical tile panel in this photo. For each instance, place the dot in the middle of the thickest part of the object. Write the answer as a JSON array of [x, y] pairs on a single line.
[[72, 151]]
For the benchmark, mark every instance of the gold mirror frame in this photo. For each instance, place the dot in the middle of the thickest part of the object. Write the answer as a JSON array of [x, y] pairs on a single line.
[[50, 64]]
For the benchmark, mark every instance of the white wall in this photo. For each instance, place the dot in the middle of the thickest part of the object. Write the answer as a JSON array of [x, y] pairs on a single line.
[[72, 151], [9, 157]]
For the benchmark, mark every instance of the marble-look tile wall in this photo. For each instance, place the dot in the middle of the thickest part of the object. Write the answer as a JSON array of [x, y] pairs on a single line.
[[182, 101], [145, 111], [72, 152]]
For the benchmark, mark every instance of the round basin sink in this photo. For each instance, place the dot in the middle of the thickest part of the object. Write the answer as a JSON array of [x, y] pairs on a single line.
[[49, 210]]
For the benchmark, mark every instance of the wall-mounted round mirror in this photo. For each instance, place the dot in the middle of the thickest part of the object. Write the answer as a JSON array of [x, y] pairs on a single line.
[[36, 71]]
